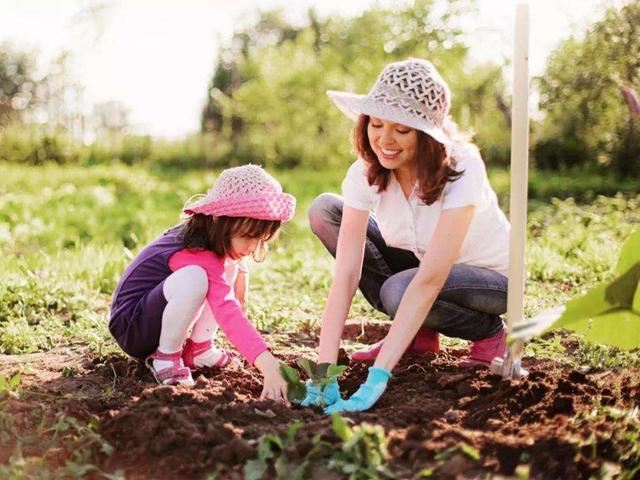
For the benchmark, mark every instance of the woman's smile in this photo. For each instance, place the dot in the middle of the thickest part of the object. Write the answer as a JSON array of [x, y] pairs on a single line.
[[389, 154]]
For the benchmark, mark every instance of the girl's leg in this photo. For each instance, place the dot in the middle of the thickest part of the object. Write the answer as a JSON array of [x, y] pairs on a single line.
[[205, 327], [468, 306], [184, 291], [199, 350]]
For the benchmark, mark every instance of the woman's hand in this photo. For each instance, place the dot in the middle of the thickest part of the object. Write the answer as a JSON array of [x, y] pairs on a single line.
[[367, 395], [321, 397], [274, 386]]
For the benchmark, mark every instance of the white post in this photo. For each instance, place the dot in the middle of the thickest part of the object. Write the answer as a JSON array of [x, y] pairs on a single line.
[[519, 167]]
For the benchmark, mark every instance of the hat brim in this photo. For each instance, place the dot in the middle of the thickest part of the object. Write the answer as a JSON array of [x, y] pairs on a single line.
[[279, 206], [353, 105]]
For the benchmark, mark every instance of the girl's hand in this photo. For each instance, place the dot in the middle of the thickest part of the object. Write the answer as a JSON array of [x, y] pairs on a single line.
[[274, 387], [241, 290]]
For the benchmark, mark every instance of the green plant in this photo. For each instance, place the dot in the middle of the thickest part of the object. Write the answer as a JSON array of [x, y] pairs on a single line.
[[361, 454], [320, 374], [610, 312], [9, 386]]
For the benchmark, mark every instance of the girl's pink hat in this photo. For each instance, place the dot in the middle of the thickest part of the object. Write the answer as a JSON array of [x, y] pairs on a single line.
[[246, 191]]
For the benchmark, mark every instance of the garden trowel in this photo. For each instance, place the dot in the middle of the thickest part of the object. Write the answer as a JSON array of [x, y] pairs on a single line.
[[510, 366]]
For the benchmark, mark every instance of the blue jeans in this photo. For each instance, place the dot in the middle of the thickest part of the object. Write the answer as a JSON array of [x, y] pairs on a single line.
[[468, 306]]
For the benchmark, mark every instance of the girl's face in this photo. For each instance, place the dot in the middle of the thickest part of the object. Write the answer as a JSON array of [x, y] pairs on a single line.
[[243, 246], [393, 143]]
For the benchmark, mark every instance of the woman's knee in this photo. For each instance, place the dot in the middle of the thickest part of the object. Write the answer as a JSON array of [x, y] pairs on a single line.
[[321, 209], [393, 290], [190, 281], [390, 295]]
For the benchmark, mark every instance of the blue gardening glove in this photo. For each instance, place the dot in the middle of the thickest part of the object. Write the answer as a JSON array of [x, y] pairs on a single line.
[[366, 396], [316, 396]]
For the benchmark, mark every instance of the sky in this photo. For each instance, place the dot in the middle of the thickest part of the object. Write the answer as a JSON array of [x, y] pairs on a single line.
[[121, 54]]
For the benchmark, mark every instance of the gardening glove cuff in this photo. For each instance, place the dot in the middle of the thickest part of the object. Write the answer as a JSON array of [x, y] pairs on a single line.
[[367, 395], [317, 396]]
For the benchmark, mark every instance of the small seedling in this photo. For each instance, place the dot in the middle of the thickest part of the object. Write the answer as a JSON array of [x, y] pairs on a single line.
[[296, 390], [320, 374]]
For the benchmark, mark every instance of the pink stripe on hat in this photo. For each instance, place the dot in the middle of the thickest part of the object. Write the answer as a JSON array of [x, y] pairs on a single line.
[[246, 191]]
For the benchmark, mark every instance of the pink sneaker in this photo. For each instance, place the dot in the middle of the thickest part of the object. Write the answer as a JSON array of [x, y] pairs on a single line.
[[426, 340], [483, 351], [177, 374], [192, 349]]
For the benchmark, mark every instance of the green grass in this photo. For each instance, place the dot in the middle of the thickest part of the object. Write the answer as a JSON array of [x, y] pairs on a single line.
[[68, 232]]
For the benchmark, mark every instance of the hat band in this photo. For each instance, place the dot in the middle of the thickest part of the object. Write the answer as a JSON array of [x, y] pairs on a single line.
[[392, 95]]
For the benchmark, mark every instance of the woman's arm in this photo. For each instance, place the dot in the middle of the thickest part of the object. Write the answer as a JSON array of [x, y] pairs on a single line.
[[349, 256], [439, 257]]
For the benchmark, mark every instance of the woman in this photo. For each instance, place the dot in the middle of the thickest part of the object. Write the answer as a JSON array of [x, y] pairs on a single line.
[[418, 229]]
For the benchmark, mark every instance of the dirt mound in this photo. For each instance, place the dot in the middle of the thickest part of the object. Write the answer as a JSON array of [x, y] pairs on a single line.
[[557, 423]]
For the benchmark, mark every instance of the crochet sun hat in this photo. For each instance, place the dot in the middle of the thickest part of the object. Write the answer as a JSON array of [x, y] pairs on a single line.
[[410, 92], [246, 191]]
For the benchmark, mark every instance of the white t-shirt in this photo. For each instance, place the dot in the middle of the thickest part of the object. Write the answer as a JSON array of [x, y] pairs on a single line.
[[231, 269], [409, 223]]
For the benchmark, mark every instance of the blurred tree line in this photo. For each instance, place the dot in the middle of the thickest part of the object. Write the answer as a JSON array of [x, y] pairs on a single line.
[[266, 102], [589, 95]]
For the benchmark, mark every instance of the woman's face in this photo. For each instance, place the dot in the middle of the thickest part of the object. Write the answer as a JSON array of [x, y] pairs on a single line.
[[393, 143]]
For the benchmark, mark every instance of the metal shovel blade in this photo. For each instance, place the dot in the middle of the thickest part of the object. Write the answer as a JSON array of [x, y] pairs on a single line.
[[510, 366], [535, 326]]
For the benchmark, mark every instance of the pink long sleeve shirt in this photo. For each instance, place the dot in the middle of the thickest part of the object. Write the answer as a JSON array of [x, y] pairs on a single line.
[[221, 298]]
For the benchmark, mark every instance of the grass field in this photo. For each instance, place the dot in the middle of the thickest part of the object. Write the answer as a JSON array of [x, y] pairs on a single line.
[[67, 233]]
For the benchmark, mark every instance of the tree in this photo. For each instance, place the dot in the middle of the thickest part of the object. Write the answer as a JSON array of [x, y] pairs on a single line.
[[17, 84], [267, 100], [589, 120]]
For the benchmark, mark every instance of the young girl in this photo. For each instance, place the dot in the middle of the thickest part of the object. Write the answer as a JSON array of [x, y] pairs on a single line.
[[180, 288], [434, 254]]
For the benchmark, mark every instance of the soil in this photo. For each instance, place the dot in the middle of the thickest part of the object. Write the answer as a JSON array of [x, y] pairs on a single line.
[[549, 425]]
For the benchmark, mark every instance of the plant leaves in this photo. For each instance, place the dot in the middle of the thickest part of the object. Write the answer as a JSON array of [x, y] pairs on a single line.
[[255, 469], [320, 372], [469, 451], [308, 366], [605, 297], [617, 328], [15, 381], [335, 371], [296, 392], [340, 427], [635, 305], [290, 374], [292, 431], [629, 253]]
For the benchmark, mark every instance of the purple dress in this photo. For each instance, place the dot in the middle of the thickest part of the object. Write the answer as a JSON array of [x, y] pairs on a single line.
[[138, 302]]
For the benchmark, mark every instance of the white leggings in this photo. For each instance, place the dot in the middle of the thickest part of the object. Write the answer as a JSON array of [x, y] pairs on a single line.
[[186, 292]]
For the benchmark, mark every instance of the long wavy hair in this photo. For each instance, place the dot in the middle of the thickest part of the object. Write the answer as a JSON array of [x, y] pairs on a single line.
[[435, 167], [215, 233]]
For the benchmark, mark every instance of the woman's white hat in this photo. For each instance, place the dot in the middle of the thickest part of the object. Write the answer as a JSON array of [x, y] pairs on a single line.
[[410, 92]]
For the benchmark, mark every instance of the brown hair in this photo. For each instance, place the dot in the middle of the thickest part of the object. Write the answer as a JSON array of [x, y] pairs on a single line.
[[435, 166], [215, 233]]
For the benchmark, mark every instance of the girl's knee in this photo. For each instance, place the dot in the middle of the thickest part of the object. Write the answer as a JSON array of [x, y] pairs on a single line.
[[191, 281]]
